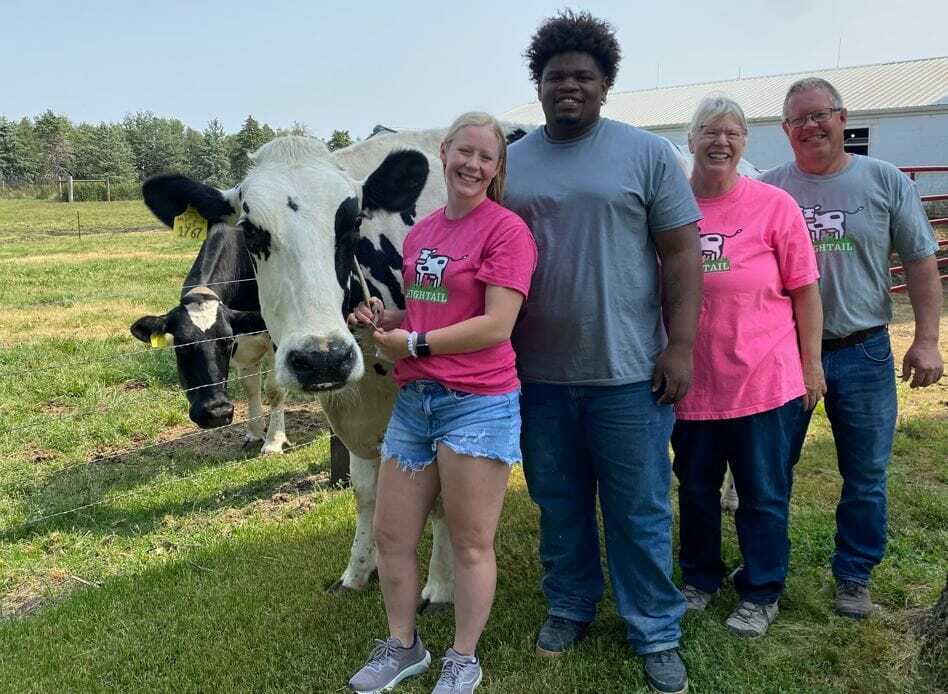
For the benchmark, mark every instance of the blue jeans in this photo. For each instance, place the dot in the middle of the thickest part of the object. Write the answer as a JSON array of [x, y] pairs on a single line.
[[861, 405], [759, 448], [578, 440]]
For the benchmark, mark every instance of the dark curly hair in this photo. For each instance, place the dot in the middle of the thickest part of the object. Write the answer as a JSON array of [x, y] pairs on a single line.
[[571, 31]]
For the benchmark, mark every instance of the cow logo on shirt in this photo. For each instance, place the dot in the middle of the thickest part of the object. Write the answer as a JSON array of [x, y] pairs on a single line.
[[828, 229], [712, 251], [429, 276]]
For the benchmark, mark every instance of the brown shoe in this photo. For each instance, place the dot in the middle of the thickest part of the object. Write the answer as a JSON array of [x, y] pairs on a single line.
[[853, 600]]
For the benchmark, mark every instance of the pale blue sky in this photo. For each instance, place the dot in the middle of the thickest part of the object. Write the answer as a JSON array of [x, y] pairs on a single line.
[[350, 65]]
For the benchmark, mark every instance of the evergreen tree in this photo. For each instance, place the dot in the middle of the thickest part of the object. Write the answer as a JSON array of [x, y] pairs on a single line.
[[55, 135], [158, 144], [31, 150], [15, 165], [212, 165], [338, 140], [102, 151], [248, 140]]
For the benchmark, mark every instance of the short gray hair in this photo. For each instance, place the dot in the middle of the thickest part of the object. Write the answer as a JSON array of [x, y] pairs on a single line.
[[713, 107], [805, 85]]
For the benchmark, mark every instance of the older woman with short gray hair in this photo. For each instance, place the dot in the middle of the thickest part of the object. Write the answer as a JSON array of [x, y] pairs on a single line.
[[756, 369]]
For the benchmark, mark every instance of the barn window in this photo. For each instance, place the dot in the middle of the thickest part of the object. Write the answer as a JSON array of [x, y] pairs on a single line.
[[856, 140]]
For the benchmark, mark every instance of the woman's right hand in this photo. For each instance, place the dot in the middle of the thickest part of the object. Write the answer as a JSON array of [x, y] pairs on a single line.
[[368, 313], [815, 383]]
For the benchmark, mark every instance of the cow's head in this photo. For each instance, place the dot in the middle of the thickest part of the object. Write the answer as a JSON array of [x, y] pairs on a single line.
[[301, 214], [202, 331]]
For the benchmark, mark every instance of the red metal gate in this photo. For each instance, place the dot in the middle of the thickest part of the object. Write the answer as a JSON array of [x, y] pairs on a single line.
[[942, 253]]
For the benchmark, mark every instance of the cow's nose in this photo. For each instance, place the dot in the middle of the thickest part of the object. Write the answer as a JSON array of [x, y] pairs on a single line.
[[322, 368], [209, 414]]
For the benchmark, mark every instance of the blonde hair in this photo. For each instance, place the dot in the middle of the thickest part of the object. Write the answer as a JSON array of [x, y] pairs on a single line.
[[715, 106], [495, 191]]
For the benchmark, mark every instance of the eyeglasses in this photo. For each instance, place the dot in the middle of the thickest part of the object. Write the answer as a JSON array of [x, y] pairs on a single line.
[[714, 133], [820, 116]]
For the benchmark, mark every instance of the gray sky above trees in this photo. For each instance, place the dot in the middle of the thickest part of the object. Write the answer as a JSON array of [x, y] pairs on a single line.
[[350, 65]]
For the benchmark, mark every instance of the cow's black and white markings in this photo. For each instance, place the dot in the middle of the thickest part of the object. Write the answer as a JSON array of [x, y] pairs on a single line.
[[218, 300]]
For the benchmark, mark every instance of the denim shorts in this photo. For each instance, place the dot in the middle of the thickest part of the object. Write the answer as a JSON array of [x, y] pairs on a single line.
[[426, 414]]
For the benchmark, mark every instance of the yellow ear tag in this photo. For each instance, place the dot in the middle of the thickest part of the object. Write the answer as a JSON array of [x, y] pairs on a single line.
[[159, 340], [190, 225]]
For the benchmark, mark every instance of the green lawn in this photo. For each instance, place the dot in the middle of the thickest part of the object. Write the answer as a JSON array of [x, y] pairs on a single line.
[[198, 566]]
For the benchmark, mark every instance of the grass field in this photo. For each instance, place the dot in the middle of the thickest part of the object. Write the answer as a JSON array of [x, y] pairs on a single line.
[[198, 566]]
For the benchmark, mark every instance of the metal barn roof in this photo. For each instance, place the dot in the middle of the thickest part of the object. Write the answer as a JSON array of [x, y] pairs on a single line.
[[906, 85]]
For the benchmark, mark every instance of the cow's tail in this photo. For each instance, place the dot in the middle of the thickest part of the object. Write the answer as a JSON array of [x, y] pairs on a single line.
[[856, 211], [731, 236]]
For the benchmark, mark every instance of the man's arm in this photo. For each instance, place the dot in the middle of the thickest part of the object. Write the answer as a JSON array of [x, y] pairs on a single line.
[[923, 362], [682, 279], [808, 314]]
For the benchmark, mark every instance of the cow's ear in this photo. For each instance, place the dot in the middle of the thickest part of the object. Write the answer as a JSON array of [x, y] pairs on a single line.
[[396, 184], [146, 326], [168, 195], [242, 322]]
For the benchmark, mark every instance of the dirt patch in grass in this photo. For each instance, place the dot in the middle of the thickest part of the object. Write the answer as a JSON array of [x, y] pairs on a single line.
[[56, 409], [304, 423], [38, 455], [21, 601], [134, 384]]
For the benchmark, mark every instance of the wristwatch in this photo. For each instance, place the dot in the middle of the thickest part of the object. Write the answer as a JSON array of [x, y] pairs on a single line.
[[421, 345]]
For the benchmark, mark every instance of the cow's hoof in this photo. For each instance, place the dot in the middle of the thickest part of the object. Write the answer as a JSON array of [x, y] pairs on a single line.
[[433, 609], [251, 442], [338, 588], [274, 447]]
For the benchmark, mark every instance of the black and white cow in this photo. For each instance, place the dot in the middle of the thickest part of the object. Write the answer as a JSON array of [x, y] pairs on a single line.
[[219, 305], [307, 215]]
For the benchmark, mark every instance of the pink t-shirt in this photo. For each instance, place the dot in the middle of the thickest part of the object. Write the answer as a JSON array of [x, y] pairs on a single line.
[[755, 247], [446, 267]]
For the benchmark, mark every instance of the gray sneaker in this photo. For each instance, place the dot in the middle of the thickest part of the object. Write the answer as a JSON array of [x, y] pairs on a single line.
[[696, 598], [460, 674], [559, 634], [389, 663], [853, 600], [751, 619], [665, 672]]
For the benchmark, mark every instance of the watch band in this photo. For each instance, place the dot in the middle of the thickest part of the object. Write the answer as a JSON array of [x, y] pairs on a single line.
[[421, 345]]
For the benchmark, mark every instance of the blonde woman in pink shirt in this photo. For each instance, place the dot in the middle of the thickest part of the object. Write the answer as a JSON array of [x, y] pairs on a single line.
[[756, 370]]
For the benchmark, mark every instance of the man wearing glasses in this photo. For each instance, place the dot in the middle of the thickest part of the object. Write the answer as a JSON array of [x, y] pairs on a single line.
[[858, 210]]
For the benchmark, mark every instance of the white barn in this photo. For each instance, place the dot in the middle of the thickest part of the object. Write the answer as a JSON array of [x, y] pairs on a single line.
[[897, 112]]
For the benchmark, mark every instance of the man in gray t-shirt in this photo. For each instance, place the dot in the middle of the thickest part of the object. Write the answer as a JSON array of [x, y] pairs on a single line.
[[605, 201], [858, 210]]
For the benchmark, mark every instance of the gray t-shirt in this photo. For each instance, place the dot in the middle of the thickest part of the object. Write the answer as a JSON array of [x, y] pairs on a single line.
[[856, 217], [593, 316]]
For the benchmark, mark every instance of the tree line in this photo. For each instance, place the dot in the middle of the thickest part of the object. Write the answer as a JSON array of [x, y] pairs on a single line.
[[50, 146]]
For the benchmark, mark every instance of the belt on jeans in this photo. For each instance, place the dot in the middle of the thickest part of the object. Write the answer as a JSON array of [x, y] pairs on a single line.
[[835, 343]]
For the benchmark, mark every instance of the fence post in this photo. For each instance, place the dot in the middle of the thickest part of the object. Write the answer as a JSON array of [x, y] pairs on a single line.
[[338, 462], [108, 189], [70, 189]]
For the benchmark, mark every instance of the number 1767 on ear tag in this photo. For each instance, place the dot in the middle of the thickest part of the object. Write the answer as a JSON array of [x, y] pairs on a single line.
[[190, 225]]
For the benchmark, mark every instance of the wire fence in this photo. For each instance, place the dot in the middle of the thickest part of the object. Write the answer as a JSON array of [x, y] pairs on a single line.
[[118, 357], [73, 416], [12, 530]]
